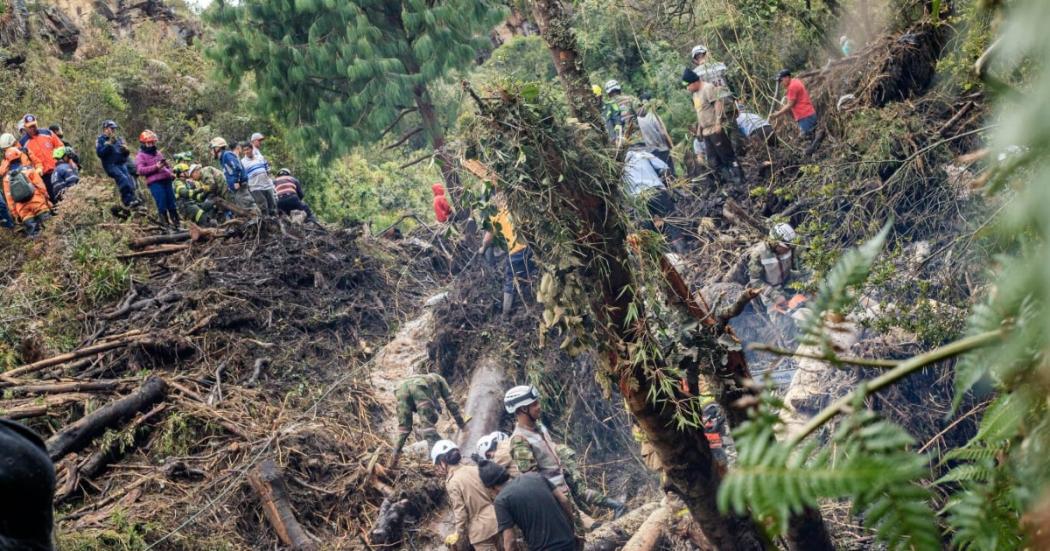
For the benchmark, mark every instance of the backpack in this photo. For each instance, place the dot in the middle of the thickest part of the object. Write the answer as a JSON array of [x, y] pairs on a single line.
[[21, 190]]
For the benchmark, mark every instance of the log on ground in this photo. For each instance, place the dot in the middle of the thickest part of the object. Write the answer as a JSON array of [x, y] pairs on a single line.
[[267, 481]]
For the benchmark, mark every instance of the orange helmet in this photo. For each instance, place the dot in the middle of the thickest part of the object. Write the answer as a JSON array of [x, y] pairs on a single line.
[[12, 153], [147, 137]]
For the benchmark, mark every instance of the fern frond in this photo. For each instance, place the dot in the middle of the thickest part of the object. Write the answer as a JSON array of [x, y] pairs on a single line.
[[982, 522], [969, 472]]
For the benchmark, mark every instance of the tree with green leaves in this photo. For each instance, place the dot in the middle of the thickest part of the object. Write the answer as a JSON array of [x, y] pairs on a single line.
[[344, 73]]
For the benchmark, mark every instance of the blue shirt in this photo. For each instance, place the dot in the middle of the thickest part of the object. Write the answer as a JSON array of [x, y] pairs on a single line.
[[232, 169], [111, 154]]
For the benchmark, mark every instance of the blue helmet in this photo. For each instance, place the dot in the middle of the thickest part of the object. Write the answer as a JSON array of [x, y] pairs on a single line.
[[109, 123]]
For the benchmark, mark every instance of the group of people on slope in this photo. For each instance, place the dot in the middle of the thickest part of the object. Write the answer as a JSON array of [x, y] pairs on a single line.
[[37, 168], [183, 188], [634, 123], [523, 480]]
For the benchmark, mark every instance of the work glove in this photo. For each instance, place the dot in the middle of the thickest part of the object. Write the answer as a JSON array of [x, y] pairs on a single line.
[[464, 420], [451, 540]]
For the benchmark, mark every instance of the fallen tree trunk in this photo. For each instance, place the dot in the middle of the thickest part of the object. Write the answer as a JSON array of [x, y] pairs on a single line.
[[79, 434], [614, 535], [650, 533], [142, 304], [163, 249], [143, 242], [484, 402], [267, 481]]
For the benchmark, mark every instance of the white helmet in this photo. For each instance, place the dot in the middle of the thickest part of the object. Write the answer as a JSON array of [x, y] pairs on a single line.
[[489, 442], [783, 232], [612, 85], [699, 49], [7, 139], [441, 447], [521, 395]]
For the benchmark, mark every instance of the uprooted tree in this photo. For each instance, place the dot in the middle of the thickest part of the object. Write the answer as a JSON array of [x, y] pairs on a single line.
[[347, 73]]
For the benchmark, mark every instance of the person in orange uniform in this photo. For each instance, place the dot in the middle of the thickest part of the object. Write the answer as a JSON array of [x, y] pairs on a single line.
[[25, 192], [40, 144]]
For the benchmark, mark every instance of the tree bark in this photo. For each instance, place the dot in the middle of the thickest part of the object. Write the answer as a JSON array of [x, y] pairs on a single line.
[[554, 21], [613, 535], [76, 436], [267, 481], [650, 533]]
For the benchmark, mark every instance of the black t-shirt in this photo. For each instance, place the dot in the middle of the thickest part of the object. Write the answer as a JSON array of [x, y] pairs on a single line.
[[528, 503]]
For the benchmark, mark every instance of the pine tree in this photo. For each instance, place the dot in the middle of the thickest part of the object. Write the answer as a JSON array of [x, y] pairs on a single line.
[[340, 73]]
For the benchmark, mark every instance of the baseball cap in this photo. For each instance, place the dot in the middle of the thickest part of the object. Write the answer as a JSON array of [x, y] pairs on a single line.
[[29, 120], [256, 136]]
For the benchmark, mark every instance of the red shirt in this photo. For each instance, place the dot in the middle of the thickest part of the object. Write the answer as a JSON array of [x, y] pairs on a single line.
[[442, 209], [797, 94]]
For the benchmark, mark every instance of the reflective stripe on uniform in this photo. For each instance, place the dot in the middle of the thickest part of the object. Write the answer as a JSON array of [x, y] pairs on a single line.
[[547, 462]]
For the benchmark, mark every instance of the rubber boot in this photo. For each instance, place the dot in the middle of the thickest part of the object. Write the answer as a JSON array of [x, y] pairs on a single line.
[[508, 304]]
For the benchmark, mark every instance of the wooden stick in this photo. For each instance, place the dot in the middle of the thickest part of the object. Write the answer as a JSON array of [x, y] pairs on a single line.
[[163, 249], [267, 481], [70, 386], [76, 436], [68, 356], [143, 242]]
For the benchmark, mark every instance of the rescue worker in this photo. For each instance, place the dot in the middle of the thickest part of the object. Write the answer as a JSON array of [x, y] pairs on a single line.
[[486, 446], [25, 192], [770, 263], [644, 176], [114, 154], [519, 267], [693, 85], [65, 175], [442, 210], [151, 163], [618, 110], [708, 71], [654, 132], [41, 144], [475, 519], [27, 479], [529, 502], [257, 171], [190, 198], [753, 126], [73, 157], [7, 140], [236, 179], [711, 121], [797, 102], [581, 494], [290, 194], [715, 431], [420, 395]]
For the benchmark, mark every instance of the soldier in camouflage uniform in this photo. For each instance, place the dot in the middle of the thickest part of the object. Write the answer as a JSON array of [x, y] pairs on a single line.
[[585, 498], [420, 395]]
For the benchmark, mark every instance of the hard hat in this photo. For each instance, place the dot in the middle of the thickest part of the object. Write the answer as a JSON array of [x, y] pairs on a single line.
[[284, 172], [596, 90], [783, 232], [194, 168], [12, 153], [7, 140], [256, 136], [21, 125], [218, 142], [181, 167], [521, 395], [612, 85], [489, 442], [29, 120], [147, 136], [699, 49], [441, 447], [58, 153], [109, 123]]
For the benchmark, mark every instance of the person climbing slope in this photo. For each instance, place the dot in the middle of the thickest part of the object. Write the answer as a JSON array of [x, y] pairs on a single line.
[[654, 132], [65, 175], [420, 395], [618, 110], [442, 210], [257, 170], [644, 175], [56, 129], [113, 153], [41, 145], [25, 192], [797, 102], [151, 163], [290, 194], [475, 519], [719, 148], [520, 267]]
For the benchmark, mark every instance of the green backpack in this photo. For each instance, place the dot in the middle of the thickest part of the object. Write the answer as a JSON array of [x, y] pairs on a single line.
[[21, 190]]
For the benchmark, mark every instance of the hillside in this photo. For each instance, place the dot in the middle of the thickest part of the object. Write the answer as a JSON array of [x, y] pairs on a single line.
[[234, 387]]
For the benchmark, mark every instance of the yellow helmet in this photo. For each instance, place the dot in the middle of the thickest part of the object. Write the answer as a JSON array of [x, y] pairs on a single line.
[[181, 168]]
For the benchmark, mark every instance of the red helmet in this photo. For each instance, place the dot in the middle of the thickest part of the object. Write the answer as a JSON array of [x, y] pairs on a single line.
[[147, 137], [12, 153]]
